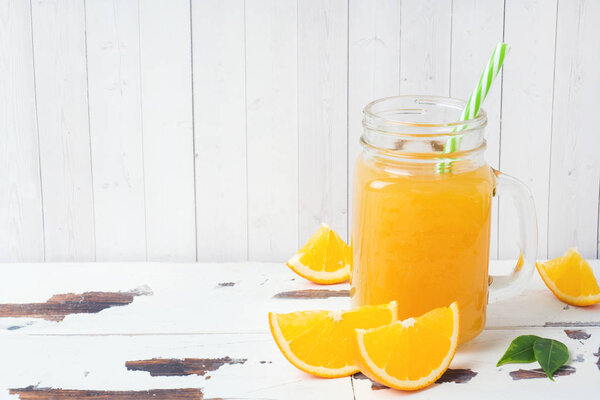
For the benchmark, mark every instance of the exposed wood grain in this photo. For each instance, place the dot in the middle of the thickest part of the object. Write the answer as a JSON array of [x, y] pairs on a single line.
[[34, 393], [181, 367], [272, 128], [250, 299], [113, 51], [322, 116], [167, 123], [312, 294], [61, 305], [62, 108], [460, 375], [220, 129], [579, 334], [539, 373], [374, 385], [572, 324], [578, 358], [21, 224], [188, 318], [203, 300], [97, 363]]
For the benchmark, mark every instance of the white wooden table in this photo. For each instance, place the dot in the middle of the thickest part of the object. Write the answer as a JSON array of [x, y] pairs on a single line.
[[189, 331]]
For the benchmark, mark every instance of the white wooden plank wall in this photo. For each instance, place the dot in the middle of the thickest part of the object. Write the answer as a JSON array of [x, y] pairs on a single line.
[[373, 66], [113, 54], [219, 61], [322, 116], [476, 29], [272, 128], [59, 53], [227, 130], [574, 162], [21, 219], [425, 45], [526, 136], [167, 128]]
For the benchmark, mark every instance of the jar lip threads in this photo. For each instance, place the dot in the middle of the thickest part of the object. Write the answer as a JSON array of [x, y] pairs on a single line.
[[418, 128], [425, 116]]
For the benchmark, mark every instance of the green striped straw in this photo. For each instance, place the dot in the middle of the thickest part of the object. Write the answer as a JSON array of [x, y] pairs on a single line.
[[477, 97]]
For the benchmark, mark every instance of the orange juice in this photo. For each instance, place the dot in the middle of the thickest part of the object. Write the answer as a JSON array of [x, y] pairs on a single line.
[[422, 238]]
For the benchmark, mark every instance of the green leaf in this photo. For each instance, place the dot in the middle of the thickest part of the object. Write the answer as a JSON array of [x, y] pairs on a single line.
[[551, 354], [520, 350]]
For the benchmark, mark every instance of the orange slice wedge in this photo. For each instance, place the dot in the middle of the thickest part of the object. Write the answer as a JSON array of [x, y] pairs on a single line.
[[571, 279], [324, 259], [320, 342], [409, 354]]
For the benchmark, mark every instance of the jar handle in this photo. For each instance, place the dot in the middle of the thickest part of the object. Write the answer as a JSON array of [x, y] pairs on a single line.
[[506, 286]]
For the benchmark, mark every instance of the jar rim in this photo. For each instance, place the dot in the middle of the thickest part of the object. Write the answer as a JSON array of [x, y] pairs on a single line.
[[373, 120]]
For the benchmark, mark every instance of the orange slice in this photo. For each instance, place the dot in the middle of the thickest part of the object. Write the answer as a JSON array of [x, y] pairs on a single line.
[[571, 279], [320, 342], [324, 259], [409, 354]]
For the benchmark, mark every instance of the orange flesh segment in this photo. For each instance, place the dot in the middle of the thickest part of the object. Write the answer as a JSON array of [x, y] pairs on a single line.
[[571, 279], [320, 342], [410, 354], [325, 258]]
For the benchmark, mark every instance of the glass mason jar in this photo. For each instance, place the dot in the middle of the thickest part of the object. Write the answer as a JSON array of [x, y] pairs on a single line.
[[421, 215]]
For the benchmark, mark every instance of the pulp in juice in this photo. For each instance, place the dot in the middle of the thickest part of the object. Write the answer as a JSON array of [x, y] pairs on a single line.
[[422, 238]]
